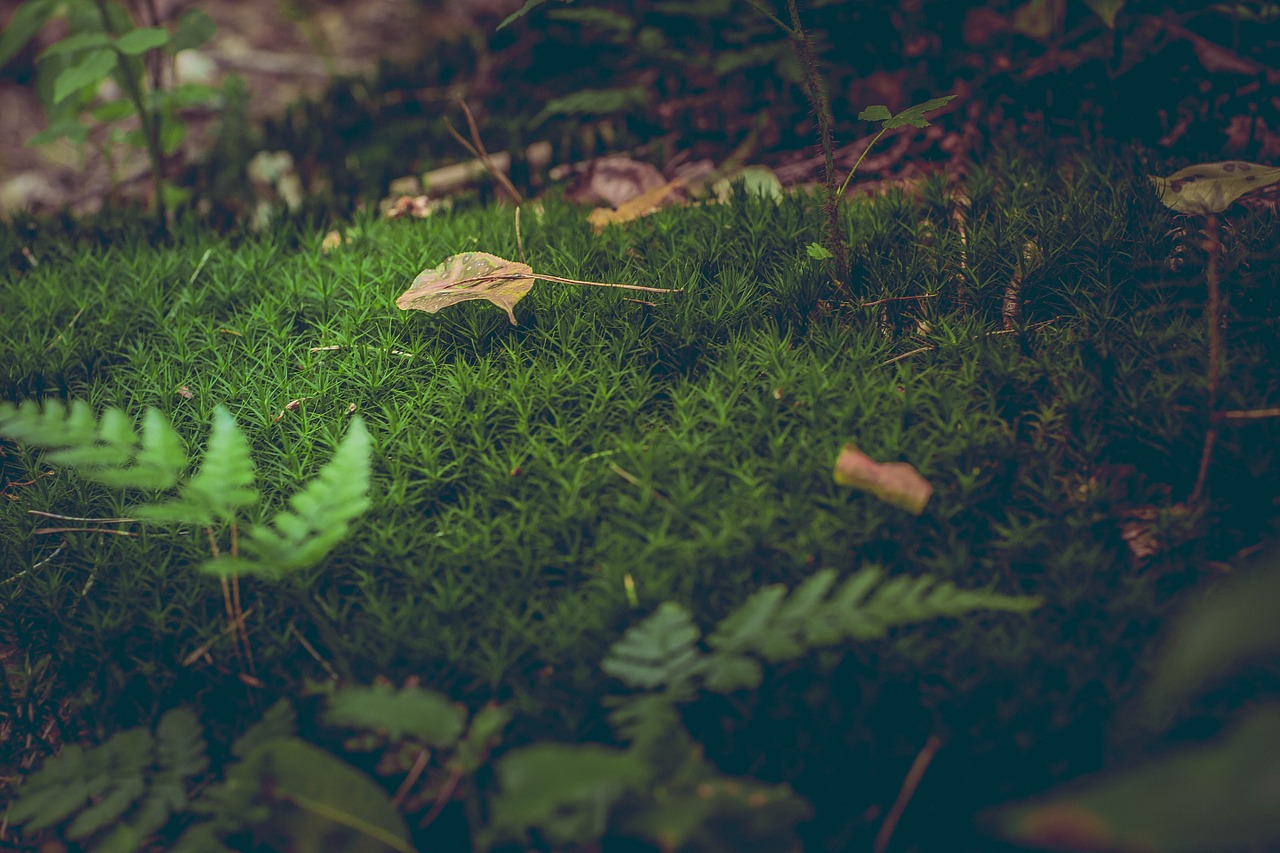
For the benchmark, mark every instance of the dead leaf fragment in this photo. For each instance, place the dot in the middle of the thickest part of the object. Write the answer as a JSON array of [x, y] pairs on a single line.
[[895, 483], [331, 241], [185, 393], [641, 205], [613, 181], [465, 276], [1212, 187]]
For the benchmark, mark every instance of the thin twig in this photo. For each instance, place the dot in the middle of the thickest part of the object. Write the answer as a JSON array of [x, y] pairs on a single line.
[[909, 784], [1213, 317], [1030, 328], [311, 650], [446, 794], [897, 299], [44, 530], [519, 241], [476, 149], [43, 514], [336, 347], [1250, 414], [637, 482], [410, 779]]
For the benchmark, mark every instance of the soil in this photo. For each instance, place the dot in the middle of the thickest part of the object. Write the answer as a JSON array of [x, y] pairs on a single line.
[[284, 51]]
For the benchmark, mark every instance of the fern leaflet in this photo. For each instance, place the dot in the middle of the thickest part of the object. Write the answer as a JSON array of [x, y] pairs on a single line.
[[662, 649], [319, 516], [107, 452], [223, 484]]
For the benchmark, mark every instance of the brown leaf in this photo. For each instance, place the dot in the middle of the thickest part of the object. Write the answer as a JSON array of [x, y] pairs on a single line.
[[613, 181], [465, 276], [331, 241], [637, 207], [1212, 187], [896, 483]]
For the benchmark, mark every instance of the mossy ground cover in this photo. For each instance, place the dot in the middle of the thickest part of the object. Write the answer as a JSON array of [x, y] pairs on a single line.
[[539, 488]]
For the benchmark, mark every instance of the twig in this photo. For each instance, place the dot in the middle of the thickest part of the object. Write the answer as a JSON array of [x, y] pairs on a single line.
[[446, 793], [637, 482], [897, 299], [1030, 328], [909, 784], [519, 276], [44, 530], [519, 241], [43, 514], [1250, 414], [58, 337], [476, 149], [410, 779], [311, 650], [336, 347]]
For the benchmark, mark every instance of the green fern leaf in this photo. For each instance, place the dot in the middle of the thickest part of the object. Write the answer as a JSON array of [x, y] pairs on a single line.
[[179, 756], [739, 630], [660, 650], [280, 720], [107, 452], [223, 484], [412, 712], [321, 513], [54, 792], [644, 718]]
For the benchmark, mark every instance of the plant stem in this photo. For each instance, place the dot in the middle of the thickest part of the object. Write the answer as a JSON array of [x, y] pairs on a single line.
[[1213, 317], [816, 91], [150, 129]]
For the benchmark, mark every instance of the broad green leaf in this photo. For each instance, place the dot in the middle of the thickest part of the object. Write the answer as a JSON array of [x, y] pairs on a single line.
[[194, 29], [1234, 624], [818, 252], [914, 116], [90, 71], [467, 276], [113, 111], [424, 715], [1106, 10], [1221, 796], [74, 43], [336, 807], [28, 19], [142, 39], [1212, 187], [755, 180], [878, 112], [896, 483], [565, 791], [66, 128]]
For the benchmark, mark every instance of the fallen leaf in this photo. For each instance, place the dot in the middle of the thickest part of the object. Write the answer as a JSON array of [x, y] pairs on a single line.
[[756, 180], [641, 205], [465, 276], [613, 181], [185, 393], [895, 483], [418, 206], [1212, 187]]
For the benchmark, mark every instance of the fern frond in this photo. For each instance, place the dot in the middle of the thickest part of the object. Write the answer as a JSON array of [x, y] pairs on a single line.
[[424, 715], [776, 628], [101, 784], [107, 452], [320, 513], [661, 650], [223, 484]]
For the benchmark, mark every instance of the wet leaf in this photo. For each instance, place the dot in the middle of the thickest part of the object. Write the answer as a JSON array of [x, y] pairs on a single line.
[[896, 483], [466, 276], [1212, 187], [1106, 10]]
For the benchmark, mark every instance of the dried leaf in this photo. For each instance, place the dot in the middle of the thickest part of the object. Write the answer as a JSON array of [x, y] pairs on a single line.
[[641, 205], [331, 241], [613, 181], [896, 483], [465, 276], [1212, 187]]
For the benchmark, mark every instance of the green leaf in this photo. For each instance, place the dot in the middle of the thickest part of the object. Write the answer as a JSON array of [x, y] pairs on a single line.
[[915, 115], [321, 513], [334, 805], [28, 19], [172, 131], [529, 6], [194, 29], [66, 128], [879, 112], [1106, 10], [1220, 796], [190, 95], [1233, 624], [222, 486], [1212, 187], [75, 43], [159, 463], [661, 650], [113, 111], [424, 715], [818, 252], [564, 791], [279, 721], [89, 71], [140, 40]]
